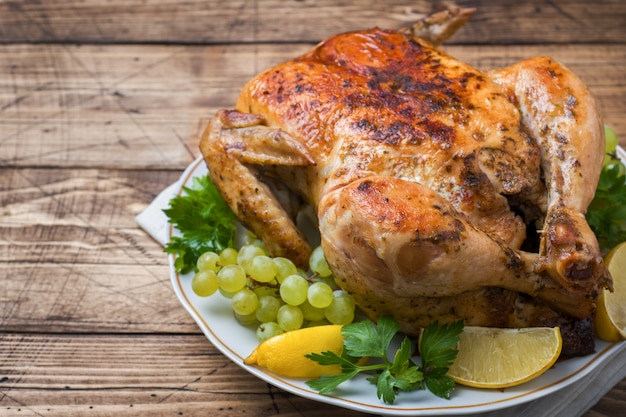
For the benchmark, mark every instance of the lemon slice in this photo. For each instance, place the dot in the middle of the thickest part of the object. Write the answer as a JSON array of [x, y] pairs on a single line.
[[284, 354], [610, 319], [500, 358]]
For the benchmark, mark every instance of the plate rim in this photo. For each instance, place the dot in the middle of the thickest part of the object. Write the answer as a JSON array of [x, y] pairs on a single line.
[[608, 351]]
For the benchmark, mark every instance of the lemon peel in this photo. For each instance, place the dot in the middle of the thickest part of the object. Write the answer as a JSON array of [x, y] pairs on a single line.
[[501, 358], [610, 318], [284, 354]]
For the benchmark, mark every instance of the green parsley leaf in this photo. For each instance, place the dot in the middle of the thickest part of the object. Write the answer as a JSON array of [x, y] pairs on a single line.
[[331, 358], [403, 356], [438, 351], [363, 339], [401, 375], [441, 386], [438, 343], [607, 212], [326, 384], [386, 387], [204, 221], [409, 376]]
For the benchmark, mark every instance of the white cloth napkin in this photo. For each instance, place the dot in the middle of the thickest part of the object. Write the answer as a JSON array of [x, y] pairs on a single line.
[[571, 401], [152, 219]]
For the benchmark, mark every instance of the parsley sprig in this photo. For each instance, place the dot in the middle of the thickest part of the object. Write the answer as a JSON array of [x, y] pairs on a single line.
[[204, 220], [607, 212], [364, 340]]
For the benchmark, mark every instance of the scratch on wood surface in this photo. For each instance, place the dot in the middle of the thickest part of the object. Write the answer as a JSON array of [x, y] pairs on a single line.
[[113, 92], [185, 387], [270, 391], [184, 143], [74, 101], [21, 406], [14, 102], [563, 12], [10, 308], [58, 195], [39, 20]]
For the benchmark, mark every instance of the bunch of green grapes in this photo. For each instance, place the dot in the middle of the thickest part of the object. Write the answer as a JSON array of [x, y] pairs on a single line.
[[272, 292]]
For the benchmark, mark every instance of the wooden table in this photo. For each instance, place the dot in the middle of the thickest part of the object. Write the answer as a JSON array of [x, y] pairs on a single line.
[[101, 105]]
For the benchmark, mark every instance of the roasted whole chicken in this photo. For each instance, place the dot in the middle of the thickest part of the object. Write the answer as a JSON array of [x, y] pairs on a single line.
[[441, 192]]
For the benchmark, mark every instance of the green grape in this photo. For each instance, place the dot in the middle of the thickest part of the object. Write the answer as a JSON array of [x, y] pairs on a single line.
[[208, 261], [267, 308], [318, 264], [204, 283], [228, 256], [267, 330], [232, 278], [245, 302], [311, 313], [246, 319], [320, 295], [341, 310], [244, 236], [247, 253], [273, 291], [260, 244], [263, 290], [315, 323], [284, 268], [611, 139], [226, 294], [261, 268], [289, 317], [329, 280], [293, 290]]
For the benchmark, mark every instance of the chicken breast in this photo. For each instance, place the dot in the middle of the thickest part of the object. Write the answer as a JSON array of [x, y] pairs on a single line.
[[430, 180]]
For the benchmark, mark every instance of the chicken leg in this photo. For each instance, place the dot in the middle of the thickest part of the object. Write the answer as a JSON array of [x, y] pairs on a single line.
[[384, 234], [562, 117]]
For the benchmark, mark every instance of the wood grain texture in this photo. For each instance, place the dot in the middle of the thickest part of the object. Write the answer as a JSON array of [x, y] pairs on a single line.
[[101, 106], [132, 106], [133, 375], [250, 21], [152, 375], [74, 259]]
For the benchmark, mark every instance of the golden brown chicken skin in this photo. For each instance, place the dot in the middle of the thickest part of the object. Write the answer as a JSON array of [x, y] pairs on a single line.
[[426, 176]]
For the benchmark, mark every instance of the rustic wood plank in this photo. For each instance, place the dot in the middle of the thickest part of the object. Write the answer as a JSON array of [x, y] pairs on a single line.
[[133, 106], [78, 216], [98, 198], [56, 298], [196, 21], [75, 260], [89, 134], [151, 375], [116, 106]]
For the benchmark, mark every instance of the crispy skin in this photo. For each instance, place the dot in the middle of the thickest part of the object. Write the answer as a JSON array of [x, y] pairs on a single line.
[[425, 174], [381, 103]]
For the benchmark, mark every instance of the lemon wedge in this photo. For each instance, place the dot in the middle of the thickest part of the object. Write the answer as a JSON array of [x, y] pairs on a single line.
[[500, 358], [610, 318], [284, 354]]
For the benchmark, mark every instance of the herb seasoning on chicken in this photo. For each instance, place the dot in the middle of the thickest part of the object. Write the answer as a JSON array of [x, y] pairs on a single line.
[[429, 178]]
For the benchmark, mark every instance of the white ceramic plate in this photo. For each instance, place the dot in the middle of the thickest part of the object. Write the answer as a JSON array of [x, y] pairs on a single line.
[[214, 316]]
